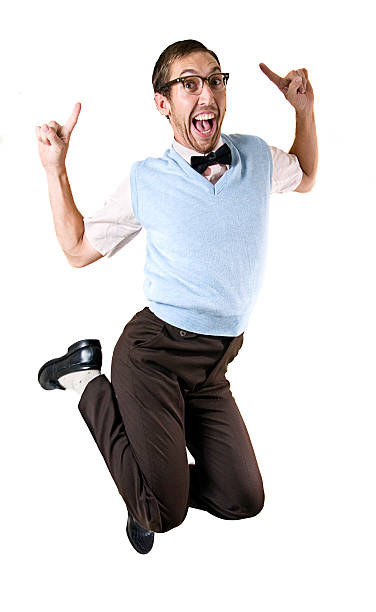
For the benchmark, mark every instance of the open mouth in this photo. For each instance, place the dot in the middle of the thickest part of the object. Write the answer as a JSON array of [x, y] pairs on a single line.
[[204, 124]]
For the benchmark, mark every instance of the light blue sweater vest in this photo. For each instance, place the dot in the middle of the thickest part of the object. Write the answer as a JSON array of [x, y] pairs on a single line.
[[205, 243]]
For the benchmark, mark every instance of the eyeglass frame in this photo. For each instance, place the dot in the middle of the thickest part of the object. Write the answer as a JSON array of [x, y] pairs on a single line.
[[203, 79]]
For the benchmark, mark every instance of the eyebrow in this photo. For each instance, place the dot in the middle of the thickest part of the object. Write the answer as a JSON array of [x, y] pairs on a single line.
[[215, 69]]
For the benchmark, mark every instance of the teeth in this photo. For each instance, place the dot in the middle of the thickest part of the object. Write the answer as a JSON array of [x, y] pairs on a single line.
[[204, 116]]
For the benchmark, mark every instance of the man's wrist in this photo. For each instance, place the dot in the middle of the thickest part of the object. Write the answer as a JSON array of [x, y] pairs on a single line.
[[56, 172], [305, 116]]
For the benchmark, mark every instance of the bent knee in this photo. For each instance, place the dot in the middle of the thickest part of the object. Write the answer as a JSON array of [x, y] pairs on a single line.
[[249, 506], [257, 505], [172, 517]]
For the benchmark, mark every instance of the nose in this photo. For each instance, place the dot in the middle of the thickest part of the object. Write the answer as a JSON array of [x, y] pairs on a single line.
[[206, 96]]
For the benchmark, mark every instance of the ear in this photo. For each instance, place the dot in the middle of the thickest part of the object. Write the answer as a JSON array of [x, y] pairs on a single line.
[[162, 104]]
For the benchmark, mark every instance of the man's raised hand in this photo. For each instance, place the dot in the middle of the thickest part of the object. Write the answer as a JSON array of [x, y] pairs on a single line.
[[295, 86], [53, 140]]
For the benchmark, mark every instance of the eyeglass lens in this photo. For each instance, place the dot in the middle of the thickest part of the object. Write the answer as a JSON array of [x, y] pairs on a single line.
[[194, 84]]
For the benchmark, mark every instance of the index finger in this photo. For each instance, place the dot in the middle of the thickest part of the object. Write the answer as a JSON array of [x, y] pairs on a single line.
[[72, 120], [279, 81]]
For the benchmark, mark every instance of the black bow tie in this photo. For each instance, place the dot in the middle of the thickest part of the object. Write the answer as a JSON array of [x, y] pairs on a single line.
[[220, 156]]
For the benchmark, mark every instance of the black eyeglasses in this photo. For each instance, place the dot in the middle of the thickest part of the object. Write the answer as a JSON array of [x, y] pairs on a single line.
[[195, 83]]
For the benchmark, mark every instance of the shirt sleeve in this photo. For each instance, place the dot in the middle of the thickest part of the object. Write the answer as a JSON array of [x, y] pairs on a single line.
[[287, 172], [113, 226]]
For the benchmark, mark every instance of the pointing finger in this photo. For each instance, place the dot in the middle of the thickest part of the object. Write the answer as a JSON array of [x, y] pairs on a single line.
[[71, 122], [277, 80]]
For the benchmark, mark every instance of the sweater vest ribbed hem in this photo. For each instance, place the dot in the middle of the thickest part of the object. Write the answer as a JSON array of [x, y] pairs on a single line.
[[200, 322]]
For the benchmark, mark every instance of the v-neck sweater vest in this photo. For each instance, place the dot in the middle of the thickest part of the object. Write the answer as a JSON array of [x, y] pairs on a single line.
[[205, 243]]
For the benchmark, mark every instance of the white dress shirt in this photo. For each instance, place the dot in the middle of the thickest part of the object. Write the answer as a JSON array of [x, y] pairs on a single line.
[[114, 225]]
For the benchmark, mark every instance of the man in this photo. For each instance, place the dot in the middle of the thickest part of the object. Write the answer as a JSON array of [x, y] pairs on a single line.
[[204, 205]]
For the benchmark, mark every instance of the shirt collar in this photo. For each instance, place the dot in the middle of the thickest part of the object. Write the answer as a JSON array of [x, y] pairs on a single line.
[[187, 153]]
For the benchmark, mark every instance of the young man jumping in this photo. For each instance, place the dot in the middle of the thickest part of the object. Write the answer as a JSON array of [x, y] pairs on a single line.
[[204, 206]]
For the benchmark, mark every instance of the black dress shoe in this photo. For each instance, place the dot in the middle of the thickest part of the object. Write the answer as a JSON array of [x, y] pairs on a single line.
[[141, 539], [82, 355]]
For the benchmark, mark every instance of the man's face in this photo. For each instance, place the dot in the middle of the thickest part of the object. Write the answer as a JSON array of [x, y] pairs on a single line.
[[183, 107]]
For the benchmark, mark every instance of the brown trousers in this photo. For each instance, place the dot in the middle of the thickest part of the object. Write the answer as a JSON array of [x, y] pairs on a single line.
[[169, 392]]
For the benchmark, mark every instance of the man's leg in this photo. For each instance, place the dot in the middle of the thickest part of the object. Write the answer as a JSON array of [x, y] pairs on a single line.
[[137, 421], [225, 479]]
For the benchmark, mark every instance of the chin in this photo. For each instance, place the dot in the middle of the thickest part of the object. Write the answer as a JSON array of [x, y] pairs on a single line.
[[206, 146]]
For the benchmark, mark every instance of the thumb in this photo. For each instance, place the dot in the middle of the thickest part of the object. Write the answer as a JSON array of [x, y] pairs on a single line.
[[293, 85], [49, 133]]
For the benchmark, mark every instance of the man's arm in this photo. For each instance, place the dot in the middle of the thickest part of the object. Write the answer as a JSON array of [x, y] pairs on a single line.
[[68, 221], [53, 142], [298, 90], [306, 149]]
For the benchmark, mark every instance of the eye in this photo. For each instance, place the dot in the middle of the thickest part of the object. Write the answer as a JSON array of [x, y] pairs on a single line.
[[191, 84], [216, 81]]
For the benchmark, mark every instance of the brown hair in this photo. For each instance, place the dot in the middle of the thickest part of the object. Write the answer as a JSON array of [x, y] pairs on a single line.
[[174, 51]]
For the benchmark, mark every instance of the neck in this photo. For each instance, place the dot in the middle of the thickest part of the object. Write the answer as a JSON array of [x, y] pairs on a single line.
[[187, 145], [184, 147]]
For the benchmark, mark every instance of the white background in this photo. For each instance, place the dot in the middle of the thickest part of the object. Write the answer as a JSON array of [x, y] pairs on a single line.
[[304, 379]]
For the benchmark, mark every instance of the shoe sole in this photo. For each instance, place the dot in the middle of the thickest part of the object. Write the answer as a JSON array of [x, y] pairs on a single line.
[[77, 345]]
